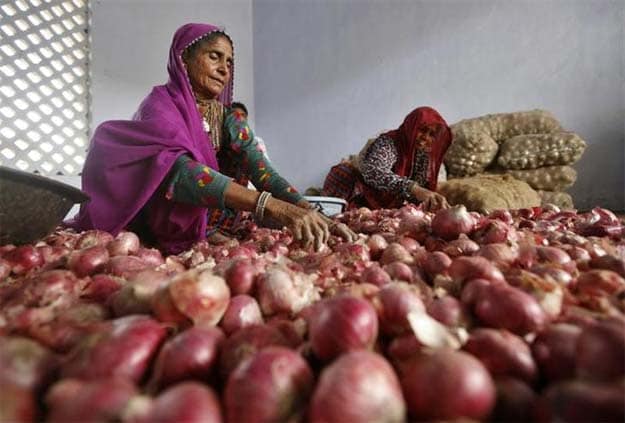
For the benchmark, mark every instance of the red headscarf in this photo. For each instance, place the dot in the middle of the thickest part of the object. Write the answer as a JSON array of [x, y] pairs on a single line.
[[423, 128]]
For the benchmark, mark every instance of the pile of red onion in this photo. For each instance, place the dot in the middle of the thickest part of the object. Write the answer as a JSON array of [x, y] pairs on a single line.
[[514, 316]]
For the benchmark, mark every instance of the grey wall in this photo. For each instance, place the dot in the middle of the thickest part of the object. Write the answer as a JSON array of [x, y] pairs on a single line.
[[130, 48], [330, 74]]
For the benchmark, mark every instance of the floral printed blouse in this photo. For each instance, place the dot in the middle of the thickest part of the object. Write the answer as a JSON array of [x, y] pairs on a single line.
[[240, 158]]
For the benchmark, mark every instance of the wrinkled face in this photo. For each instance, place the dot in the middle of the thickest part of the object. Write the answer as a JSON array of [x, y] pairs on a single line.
[[209, 67]]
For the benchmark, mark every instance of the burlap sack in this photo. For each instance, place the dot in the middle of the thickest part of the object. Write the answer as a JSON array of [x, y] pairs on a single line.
[[485, 193], [467, 156], [549, 178], [560, 199], [539, 150], [475, 141]]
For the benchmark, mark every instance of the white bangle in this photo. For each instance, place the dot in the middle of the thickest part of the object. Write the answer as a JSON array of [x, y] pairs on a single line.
[[261, 204]]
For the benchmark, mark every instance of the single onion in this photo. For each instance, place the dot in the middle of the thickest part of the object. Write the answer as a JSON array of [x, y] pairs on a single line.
[[399, 271], [240, 277], [191, 354], [395, 301], [377, 244], [447, 385], [515, 401], [465, 268], [360, 386], [600, 351], [342, 324], [554, 350], [242, 311], [375, 275], [125, 243], [88, 260], [449, 311], [502, 353], [451, 222], [272, 385], [396, 252]]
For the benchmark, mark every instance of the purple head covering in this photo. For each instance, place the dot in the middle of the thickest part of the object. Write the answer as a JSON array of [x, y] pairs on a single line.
[[128, 160]]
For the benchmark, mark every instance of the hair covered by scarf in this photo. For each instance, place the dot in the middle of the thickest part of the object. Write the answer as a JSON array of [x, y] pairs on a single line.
[[423, 123], [128, 160]]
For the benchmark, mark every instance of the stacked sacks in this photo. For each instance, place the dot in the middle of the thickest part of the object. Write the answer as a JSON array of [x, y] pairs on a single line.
[[530, 146]]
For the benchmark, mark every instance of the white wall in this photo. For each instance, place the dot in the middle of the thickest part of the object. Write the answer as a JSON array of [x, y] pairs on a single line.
[[329, 74], [130, 48]]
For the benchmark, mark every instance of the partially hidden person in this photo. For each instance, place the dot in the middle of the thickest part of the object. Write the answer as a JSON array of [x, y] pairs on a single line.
[[397, 166], [172, 173]]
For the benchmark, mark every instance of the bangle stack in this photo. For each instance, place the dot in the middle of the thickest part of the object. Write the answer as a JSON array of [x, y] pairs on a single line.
[[261, 204]]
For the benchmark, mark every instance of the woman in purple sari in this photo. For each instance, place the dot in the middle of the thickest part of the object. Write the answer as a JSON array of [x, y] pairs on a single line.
[[177, 171]]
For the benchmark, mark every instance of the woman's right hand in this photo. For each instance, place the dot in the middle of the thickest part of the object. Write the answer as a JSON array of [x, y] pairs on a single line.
[[432, 201], [307, 225]]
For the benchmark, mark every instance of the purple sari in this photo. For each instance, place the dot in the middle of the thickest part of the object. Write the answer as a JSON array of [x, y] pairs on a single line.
[[128, 160]]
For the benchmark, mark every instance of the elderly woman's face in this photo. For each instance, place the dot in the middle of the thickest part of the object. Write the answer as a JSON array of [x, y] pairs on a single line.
[[210, 67]]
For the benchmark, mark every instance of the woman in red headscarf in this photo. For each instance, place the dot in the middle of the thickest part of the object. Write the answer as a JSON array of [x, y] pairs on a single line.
[[397, 166]]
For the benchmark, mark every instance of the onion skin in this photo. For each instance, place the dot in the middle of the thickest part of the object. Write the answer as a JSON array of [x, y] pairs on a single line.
[[191, 354], [449, 311], [503, 354], [342, 324], [447, 385], [125, 243], [273, 385], [360, 386]]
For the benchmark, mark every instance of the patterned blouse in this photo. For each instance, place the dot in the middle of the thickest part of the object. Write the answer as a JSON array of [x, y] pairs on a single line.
[[377, 164], [240, 158]]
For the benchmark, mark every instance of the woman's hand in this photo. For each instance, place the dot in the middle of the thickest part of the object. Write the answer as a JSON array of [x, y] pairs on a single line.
[[336, 228], [432, 201], [307, 225]]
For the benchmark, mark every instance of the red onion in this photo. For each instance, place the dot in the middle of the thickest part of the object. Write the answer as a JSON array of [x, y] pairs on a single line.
[[415, 227], [53, 257], [515, 401], [462, 246], [125, 243], [189, 402], [554, 350], [609, 262], [240, 277], [360, 386], [342, 324], [449, 311], [122, 348], [377, 244], [502, 353], [5, 269], [150, 256], [23, 259], [502, 255], [93, 238], [464, 268], [436, 263], [396, 252], [245, 343], [282, 291], [581, 401], [100, 288], [451, 222], [191, 354], [18, 404], [375, 275], [272, 385], [600, 351], [242, 311], [200, 296], [72, 400], [502, 215], [599, 282], [399, 271], [447, 385], [135, 297], [505, 307], [25, 363], [395, 301], [125, 266]]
